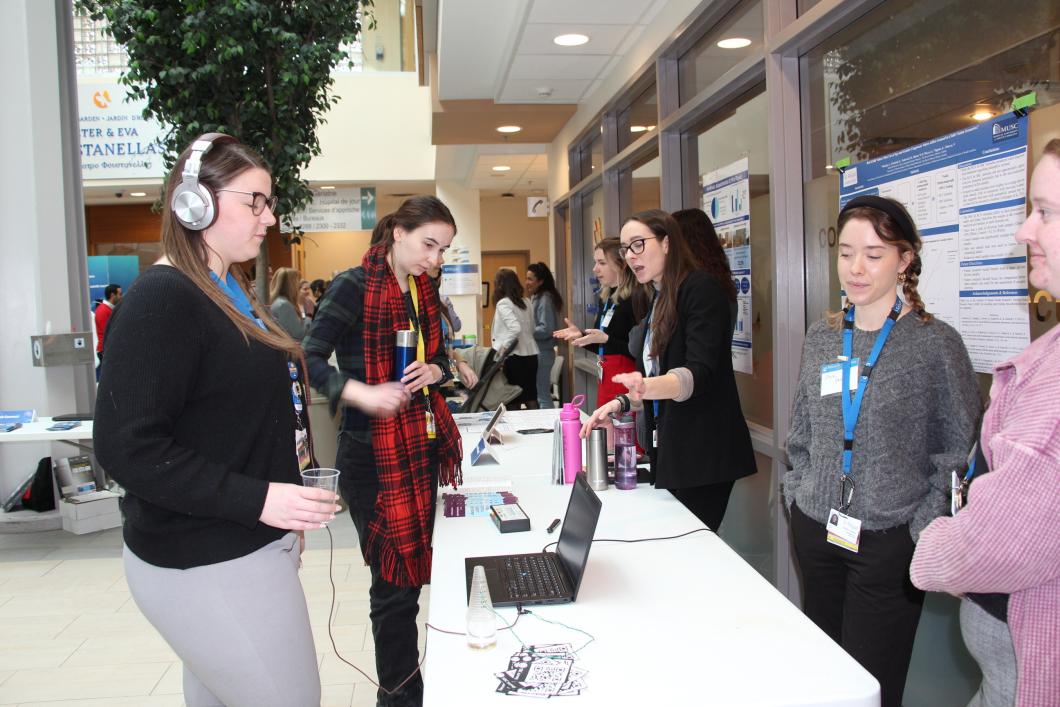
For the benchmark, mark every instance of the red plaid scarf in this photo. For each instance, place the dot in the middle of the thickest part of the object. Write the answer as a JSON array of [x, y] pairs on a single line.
[[399, 534]]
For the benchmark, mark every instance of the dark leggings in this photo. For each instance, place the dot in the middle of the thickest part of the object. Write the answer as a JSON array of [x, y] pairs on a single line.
[[708, 503], [393, 609]]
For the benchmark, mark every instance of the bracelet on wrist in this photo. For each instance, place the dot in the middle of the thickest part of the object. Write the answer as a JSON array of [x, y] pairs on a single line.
[[623, 403]]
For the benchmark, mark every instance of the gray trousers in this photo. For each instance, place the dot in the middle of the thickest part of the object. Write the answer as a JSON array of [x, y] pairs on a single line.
[[545, 359], [241, 627], [990, 643]]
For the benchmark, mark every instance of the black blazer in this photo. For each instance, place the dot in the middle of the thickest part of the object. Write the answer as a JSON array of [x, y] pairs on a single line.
[[702, 440]]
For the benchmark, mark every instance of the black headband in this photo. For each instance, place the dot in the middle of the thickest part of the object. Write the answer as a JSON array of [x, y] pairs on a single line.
[[893, 209]]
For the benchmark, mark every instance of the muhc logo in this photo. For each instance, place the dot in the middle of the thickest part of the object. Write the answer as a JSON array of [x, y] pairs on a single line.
[[1006, 129]]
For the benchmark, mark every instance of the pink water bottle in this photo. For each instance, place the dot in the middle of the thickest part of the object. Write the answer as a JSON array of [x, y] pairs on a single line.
[[570, 423]]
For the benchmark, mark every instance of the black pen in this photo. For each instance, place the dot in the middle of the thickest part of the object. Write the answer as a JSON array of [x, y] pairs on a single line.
[[552, 525]]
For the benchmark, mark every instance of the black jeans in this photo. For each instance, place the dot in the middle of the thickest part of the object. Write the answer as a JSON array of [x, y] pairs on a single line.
[[864, 601], [393, 609], [708, 503]]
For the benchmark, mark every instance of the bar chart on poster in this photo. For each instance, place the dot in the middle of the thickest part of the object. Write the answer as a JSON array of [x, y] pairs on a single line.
[[966, 192]]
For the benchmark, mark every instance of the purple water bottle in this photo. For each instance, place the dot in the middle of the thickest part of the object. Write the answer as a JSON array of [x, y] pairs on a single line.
[[571, 425], [625, 451], [405, 342]]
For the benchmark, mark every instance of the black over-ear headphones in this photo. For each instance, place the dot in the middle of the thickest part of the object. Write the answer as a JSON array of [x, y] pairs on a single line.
[[194, 204]]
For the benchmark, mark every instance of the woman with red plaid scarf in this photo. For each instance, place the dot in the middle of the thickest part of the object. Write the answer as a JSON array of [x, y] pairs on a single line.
[[397, 442]]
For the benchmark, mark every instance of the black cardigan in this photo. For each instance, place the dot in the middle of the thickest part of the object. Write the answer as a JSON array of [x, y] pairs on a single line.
[[702, 440], [193, 422], [622, 321]]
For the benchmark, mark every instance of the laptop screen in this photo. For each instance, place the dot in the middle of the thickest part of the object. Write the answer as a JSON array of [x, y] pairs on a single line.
[[579, 526]]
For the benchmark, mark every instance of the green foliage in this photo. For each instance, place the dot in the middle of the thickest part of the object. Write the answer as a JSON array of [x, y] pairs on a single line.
[[256, 69]]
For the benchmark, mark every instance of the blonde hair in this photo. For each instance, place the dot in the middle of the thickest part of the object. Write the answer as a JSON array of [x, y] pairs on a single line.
[[285, 283], [627, 282], [188, 251]]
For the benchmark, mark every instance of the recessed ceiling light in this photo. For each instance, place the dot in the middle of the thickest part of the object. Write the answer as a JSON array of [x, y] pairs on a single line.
[[328, 187], [637, 128], [828, 166], [137, 193], [509, 128], [501, 168], [571, 40], [982, 114], [734, 43]]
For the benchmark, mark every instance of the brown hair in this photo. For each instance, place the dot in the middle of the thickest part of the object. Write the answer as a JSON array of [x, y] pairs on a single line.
[[285, 283], [1052, 148], [628, 287], [891, 233], [189, 253], [703, 242], [506, 284], [414, 212], [679, 262]]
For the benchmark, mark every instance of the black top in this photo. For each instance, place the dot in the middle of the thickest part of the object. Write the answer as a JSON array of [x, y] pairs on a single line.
[[194, 422], [702, 440], [338, 326], [618, 330]]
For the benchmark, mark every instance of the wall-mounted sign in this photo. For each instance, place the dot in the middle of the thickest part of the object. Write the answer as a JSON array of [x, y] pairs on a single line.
[[345, 209], [536, 206], [116, 141]]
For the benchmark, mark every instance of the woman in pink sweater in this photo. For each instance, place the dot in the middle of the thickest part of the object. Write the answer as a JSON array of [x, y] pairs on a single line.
[[1002, 552]]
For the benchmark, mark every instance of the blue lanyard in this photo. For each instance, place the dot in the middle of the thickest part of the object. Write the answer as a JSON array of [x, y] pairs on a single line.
[[852, 407], [971, 464], [235, 293], [603, 318]]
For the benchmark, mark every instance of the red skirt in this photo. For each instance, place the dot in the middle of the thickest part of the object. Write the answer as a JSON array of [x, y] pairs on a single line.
[[613, 365]]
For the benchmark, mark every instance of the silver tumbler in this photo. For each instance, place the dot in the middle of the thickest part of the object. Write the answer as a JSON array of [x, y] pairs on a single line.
[[597, 462]]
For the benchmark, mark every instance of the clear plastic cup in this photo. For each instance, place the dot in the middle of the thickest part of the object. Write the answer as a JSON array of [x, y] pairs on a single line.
[[322, 478]]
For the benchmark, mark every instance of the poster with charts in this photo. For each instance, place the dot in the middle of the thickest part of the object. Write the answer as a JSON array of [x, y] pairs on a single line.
[[966, 191], [727, 200]]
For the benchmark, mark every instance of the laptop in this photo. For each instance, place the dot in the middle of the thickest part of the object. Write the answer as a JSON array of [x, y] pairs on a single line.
[[545, 577]]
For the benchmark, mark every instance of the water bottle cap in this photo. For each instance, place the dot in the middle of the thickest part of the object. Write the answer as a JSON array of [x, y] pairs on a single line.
[[625, 418]]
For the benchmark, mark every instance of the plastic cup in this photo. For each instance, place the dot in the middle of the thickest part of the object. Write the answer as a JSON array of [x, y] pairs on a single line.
[[322, 478]]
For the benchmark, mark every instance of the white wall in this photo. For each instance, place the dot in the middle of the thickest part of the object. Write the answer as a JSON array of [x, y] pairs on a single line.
[[36, 277]]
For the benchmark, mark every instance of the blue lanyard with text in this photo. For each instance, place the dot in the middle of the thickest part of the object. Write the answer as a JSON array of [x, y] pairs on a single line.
[[603, 318], [852, 407]]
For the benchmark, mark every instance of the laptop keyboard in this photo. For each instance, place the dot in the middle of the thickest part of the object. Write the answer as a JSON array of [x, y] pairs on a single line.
[[532, 576]]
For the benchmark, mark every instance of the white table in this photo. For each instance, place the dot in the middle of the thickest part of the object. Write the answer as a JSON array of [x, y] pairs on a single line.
[[676, 622], [38, 432]]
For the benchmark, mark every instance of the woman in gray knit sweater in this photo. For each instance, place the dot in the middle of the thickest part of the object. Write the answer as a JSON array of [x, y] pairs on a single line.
[[871, 471]]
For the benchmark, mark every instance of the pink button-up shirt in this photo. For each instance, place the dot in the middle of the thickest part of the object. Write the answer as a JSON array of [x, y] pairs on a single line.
[[1008, 537]]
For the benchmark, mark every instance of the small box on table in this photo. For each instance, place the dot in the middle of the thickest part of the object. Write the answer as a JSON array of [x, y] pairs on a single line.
[[509, 518]]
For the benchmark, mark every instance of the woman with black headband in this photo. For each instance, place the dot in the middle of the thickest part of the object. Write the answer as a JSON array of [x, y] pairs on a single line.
[[886, 408]]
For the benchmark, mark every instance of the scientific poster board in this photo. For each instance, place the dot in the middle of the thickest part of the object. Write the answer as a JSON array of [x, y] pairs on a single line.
[[966, 192], [727, 200]]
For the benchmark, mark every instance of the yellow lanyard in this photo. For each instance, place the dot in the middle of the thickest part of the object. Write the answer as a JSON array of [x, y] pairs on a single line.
[[421, 352]]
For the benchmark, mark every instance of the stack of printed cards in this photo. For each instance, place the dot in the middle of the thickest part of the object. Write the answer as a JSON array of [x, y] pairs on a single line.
[[474, 504], [545, 670]]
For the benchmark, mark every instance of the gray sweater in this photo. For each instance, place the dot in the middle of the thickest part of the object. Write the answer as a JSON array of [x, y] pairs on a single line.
[[917, 424], [544, 321]]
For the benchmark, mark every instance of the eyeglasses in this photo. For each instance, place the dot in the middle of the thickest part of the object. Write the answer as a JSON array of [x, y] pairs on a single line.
[[260, 200], [636, 246]]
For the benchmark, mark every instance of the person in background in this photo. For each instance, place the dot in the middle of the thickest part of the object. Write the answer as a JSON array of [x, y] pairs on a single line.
[[317, 288], [703, 240], [876, 452], [111, 297], [195, 420], [284, 303], [513, 323], [1002, 551], [450, 325], [547, 303], [305, 298], [397, 441], [684, 380], [609, 336]]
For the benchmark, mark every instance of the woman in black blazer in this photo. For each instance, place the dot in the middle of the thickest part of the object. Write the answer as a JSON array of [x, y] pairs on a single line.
[[699, 443]]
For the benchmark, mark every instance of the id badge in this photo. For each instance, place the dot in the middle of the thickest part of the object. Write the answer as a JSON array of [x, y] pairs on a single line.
[[301, 448], [655, 438], [599, 369], [606, 320], [958, 493], [832, 377], [432, 432], [843, 530]]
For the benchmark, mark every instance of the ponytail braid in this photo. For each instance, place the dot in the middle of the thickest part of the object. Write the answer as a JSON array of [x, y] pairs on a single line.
[[909, 288]]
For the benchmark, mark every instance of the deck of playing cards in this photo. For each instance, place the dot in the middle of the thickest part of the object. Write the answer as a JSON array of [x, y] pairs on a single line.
[[545, 670]]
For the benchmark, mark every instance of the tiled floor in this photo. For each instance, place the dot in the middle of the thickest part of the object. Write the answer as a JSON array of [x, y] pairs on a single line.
[[71, 636]]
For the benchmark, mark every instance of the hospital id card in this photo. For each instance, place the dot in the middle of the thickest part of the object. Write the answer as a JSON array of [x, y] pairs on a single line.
[[843, 530]]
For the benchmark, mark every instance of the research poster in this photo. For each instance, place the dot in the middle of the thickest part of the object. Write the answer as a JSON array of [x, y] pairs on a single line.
[[966, 191], [727, 200]]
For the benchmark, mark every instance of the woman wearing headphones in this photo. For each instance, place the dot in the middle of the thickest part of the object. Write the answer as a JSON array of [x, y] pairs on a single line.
[[397, 441], [699, 442], [875, 452], [198, 418]]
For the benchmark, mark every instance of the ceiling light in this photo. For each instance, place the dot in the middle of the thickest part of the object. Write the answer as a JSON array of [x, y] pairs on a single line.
[[509, 128], [828, 166], [502, 168], [328, 187], [571, 40], [734, 43], [982, 114], [637, 128], [137, 193]]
